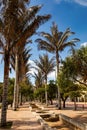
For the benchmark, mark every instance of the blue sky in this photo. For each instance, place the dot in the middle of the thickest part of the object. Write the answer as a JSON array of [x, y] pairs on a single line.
[[65, 13]]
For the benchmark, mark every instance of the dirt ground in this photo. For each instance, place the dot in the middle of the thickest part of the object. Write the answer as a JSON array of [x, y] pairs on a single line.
[[24, 119], [79, 115]]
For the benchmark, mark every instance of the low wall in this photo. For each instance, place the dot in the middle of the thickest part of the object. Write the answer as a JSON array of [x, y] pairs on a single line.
[[74, 124], [43, 123]]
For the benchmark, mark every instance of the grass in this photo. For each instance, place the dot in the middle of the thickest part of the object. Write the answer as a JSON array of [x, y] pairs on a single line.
[[8, 125]]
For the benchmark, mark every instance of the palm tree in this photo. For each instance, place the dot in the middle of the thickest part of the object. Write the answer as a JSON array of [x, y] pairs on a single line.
[[14, 31], [21, 66], [38, 79], [28, 26], [46, 66], [55, 43]]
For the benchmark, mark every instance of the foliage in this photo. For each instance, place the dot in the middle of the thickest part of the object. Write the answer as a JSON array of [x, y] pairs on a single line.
[[76, 66], [55, 42], [17, 24], [39, 93], [77, 91], [45, 65], [66, 81], [80, 61], [65, 84], [26, 89], [52, 90], [38, 79], [10, 91]]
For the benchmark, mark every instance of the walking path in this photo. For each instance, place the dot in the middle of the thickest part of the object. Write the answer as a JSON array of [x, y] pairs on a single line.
[[23, 119]]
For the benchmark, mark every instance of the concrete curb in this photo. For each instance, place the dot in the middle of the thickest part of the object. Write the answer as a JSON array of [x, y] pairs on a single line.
[[43, 123], [69, 120]]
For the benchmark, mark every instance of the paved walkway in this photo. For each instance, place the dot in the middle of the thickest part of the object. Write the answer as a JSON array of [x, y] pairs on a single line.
[[23, 119]]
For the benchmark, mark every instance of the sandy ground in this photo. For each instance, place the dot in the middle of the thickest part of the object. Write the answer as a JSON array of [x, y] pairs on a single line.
[[79, 115], [24, 119]]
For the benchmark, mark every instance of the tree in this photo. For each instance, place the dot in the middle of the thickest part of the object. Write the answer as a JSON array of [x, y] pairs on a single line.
[[38, 79], [68, 85], [14, 31], [65, 84], [39, 93], [26, 90], [21, 66], [46, 66], [52, 90], [79, 58], [10, 91], [24, 68], [55, 43], [76, 65]]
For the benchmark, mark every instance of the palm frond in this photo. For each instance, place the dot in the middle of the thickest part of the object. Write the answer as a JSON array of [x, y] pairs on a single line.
[[2, 45], [28, 16], [44, 45], [45, 64], [30, 30], [64, 37], [47, 36]]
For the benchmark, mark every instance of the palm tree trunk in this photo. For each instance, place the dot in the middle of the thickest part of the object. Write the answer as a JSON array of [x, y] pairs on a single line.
[[20, 99], [57, 61], [46, 90], [16, 89], [5, 89]]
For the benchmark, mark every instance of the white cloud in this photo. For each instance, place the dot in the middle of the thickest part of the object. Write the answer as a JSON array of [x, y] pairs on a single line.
[[32, 70], [80, 2], [84, 44], [52, 76], [58, 1]]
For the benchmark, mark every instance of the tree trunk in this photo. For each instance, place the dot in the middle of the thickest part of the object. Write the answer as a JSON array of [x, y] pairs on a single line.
[[5, 89], [64, 103], [46, 90], [75, 106], [16, 88], [51, 102], [59, 99], [20, 98]]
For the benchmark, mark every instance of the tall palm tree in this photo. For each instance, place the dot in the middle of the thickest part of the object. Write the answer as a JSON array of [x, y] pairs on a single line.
[[54, 43], [46, 66], [28, 26], [21, 66], [14, 31]]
